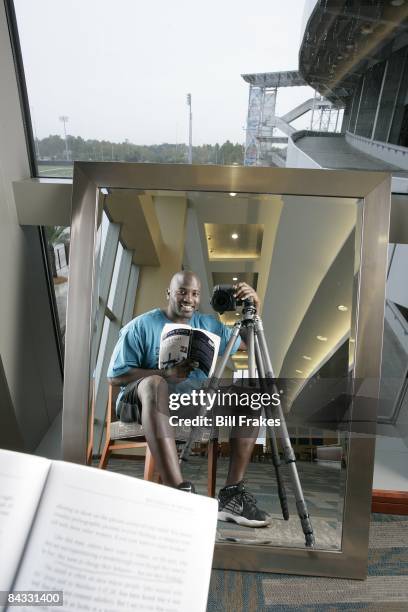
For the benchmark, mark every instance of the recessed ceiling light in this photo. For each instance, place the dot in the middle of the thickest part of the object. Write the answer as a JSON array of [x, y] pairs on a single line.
[[237, 314], [397, 2], [234, 236], [342, 308], [235, 278], [233, 194], [209, 237], [322, 338], [307, 357]]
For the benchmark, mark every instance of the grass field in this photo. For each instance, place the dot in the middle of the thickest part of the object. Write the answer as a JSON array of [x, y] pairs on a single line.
[[55, 171]]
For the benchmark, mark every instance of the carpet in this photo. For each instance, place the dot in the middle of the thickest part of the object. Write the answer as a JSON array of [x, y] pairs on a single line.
[[385, 590]]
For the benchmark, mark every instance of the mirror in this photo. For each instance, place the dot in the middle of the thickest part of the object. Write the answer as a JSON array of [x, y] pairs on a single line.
[[304, 252], [298, 253]]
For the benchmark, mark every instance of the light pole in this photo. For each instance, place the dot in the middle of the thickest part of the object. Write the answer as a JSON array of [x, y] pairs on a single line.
[[190, 130], [64, 120]]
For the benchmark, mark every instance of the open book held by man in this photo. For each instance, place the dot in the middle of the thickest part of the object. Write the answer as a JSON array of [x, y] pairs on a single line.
[[180, 342]]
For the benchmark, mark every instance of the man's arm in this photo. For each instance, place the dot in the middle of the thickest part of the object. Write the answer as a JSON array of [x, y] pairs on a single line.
[[131, 375], [243, 291], [180, 371]]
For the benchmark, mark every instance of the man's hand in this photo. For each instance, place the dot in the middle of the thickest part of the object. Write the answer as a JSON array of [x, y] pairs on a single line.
[[180, 371], [243, 291]]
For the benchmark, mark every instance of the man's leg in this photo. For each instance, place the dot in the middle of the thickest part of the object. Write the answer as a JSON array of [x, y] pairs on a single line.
[[242, 442], [235, 503], [154, 397]]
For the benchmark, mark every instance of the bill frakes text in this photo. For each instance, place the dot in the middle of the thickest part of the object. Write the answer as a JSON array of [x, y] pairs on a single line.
[[221, 420]]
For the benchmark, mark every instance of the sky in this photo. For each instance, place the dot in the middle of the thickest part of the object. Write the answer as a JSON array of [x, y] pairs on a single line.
[[122, 68]]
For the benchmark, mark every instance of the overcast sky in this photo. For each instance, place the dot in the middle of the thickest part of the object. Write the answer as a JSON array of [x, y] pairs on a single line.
[[122, 68]]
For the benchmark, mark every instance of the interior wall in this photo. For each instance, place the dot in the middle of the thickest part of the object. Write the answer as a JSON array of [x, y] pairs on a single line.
[[153, 280], [28, 349]]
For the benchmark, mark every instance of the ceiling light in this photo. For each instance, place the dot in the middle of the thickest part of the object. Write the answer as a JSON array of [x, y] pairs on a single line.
[[322, 338], [299, 371], [235, 278], [209, 237], [233, 195], [237, 314], [234, 236], [307, 357], [104, 191], [397, 2], [342, 308]]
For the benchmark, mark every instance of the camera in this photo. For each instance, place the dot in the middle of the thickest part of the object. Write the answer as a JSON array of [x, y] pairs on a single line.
[[223, 299]]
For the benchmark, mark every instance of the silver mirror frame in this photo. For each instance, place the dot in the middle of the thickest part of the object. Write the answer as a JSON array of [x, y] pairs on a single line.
[[374, 188]]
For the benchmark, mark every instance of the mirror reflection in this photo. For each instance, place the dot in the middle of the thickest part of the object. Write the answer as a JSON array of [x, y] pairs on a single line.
[[284, 267]]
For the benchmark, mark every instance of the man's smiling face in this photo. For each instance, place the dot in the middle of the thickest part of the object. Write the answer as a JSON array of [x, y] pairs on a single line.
[[184, 297]]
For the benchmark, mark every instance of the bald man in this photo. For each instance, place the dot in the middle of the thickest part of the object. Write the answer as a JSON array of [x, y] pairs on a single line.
[[144, 395]]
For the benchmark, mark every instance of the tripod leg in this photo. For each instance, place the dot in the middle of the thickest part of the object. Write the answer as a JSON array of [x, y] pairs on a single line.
[[272, 436], [277, 464], [288, 453]]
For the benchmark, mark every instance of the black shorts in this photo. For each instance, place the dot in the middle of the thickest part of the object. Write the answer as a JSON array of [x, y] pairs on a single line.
[[129, 407]]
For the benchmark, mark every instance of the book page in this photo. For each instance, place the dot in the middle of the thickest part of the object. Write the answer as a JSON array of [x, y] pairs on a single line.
[[113, 542], [174, 344], [204, 349], [22, 479]]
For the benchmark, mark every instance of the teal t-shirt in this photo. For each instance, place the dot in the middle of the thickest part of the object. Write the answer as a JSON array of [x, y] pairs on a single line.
[[139, 342]]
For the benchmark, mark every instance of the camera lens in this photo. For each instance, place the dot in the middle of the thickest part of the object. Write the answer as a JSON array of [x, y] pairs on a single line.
[[223, 298]]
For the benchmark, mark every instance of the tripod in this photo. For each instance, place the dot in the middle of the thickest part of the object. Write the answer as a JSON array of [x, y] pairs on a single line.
[[258, 357]]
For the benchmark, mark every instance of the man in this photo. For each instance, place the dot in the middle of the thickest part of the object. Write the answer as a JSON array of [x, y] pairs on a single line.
[[144, 396]]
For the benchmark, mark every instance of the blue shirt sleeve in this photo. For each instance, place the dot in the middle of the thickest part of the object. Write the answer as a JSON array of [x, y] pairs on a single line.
[[128, 352]]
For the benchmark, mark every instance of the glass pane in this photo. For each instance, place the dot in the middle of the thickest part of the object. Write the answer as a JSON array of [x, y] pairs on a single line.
[[389, 93], [115, 276], [58, 242], [399, 118], [110, 99], [369, 101]]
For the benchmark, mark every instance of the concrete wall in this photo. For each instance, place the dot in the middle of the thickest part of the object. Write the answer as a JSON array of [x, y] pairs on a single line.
[[31, 379], [389, 153], [154, 280], [397, 284], [391, 456], [296, 158]]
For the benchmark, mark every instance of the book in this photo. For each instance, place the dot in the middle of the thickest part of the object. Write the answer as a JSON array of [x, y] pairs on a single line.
[[178, 342], [107, 541]]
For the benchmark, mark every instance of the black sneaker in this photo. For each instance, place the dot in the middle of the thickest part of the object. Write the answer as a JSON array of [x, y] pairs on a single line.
[[186, 486], [236, 505]]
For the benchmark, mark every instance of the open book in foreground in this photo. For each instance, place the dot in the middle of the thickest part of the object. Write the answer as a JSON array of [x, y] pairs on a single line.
[[109, 542], [178, 342]]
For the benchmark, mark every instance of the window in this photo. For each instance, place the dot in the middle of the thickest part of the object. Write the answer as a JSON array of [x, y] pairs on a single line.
[[117, 285], [58, 242], [122, 95]]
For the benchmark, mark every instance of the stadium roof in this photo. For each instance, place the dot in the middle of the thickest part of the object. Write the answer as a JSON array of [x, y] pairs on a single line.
[[287, 78]]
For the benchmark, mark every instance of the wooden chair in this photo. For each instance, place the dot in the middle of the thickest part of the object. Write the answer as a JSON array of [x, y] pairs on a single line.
[[124, 436]]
